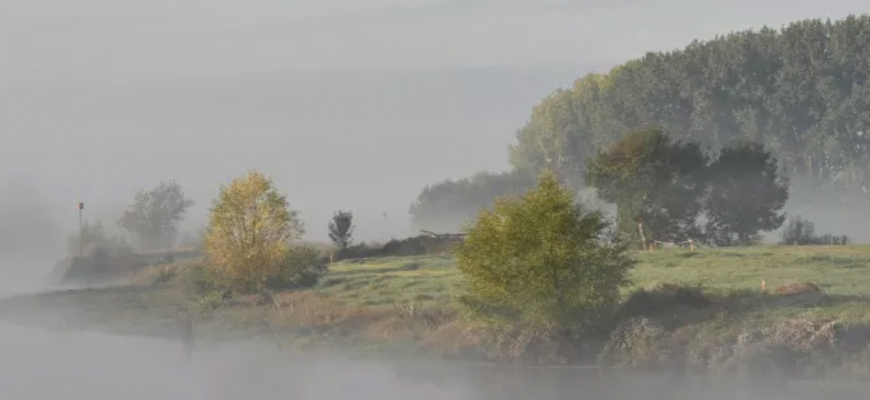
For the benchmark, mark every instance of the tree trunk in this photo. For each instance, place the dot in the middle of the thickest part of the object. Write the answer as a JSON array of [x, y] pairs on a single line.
[[642, 236]]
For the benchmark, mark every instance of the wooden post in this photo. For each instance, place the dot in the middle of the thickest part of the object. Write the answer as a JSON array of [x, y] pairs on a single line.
[[691, 245]]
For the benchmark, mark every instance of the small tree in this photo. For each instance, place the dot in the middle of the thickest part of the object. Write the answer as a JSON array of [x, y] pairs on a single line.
[[341, 229], [90, 236], [656, 183], [249, 232], [746, 195], [539, 261], [154, 216], [93, 238]]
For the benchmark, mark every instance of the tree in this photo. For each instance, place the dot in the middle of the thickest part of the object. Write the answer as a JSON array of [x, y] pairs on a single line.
[[746, 195], [801, 91], [539, 261], [341, 229], [250, 229], [550, 139], [656, 183], [799, 231], [446, 205], [93, 237], [154, 216], [87, 238]]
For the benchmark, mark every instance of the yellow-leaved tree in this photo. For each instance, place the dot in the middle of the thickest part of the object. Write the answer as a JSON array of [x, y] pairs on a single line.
[[250, 229]]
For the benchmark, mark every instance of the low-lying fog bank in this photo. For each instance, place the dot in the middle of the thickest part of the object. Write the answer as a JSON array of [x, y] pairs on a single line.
[[36, 364]]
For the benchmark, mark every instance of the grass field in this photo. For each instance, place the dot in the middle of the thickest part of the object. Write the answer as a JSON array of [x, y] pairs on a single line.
[[843, 272], [397, 300]]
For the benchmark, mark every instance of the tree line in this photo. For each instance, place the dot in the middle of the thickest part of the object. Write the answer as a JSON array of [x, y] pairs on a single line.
[[801, 92]]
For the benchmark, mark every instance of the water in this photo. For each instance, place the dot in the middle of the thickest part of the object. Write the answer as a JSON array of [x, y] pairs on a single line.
[[72, 365], [37, 364]]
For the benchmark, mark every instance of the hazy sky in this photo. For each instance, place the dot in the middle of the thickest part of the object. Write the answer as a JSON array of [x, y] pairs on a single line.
[[346, 103]]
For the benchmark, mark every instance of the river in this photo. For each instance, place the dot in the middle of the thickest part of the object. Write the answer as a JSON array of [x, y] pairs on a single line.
[[74, 365]]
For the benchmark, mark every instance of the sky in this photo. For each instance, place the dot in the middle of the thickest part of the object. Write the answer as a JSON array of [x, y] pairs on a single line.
[[346, 104]]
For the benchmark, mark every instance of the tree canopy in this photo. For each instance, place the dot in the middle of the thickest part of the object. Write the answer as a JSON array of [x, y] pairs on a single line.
[[746, 195], [154, 216], [444, 206], [801, 91], [538, 260], [664, 189], [341, 229], [656, 183], [250, 229]]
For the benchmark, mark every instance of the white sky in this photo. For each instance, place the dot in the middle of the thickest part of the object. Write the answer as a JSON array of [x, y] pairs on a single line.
[[346, 103]]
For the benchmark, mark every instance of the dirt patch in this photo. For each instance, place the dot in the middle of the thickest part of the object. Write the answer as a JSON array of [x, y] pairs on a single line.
[[798, 288]]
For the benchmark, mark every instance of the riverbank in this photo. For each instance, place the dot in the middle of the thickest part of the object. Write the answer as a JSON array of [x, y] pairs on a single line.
[[696, 310]]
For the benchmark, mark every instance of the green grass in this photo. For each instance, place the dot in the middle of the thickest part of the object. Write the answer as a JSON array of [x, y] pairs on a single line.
[[839, 270], [843, 272], [385, 281], [368, 295]]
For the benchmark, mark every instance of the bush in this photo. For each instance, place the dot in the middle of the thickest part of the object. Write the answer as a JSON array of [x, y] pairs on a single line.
[[539, 262], [412, 246], [802, 232], [303, 266]]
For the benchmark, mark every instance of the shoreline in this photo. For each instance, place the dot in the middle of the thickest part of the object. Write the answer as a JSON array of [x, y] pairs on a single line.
[[381, 308]]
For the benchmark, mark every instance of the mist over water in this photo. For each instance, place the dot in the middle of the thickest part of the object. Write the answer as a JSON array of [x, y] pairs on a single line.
[[87, 366], [348, 106]]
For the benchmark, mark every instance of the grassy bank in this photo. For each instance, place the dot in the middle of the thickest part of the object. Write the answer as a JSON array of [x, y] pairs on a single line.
[[697, 309]]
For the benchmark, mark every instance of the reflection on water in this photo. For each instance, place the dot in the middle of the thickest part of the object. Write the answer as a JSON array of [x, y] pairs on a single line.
[[36, 365]]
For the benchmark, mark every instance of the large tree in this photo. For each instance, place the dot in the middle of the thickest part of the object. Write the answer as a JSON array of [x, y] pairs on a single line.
[[746, 195], [155, 214], [249, 232], [657, 184], [802, 91]]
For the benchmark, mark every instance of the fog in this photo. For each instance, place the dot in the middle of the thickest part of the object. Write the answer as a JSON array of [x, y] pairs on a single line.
[[346, 104], [77, 365]]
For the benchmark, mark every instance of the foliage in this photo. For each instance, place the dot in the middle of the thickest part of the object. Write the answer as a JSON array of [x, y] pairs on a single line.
[[745, 196], [154, 216], [801, 232], [92, 237], [444, 206], [302, 267], [341, 229], [537, 261], [550, 138], [249, 231], [656, 183], [801, 91], [411, 246]]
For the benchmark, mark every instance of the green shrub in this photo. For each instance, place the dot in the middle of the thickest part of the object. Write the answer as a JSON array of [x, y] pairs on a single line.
[[412, 246], [540, 262], [209, 280], [303, 266], [210, 301], [802, 232]]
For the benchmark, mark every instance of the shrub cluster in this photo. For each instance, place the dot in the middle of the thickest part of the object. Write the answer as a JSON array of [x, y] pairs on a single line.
[[801, 232]]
